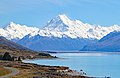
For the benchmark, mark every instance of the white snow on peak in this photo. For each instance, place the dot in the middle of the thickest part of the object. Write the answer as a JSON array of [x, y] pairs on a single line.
[[64, 19], [60, 26], [17, 31]]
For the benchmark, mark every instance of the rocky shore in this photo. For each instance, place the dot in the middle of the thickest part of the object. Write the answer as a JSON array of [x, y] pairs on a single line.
[[28, 70]]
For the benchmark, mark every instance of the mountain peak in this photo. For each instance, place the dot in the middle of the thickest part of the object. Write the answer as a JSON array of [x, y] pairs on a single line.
[[59, 22], [63, 17], [60, 19], [17, 31], [11, 25]]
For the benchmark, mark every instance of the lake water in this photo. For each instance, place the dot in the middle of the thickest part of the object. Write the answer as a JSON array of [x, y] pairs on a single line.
[[94, 64]]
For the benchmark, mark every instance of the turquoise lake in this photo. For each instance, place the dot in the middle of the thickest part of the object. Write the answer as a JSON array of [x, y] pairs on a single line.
[[94, 64]]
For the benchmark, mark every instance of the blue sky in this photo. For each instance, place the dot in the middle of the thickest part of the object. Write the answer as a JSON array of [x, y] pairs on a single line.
[[38, 12]]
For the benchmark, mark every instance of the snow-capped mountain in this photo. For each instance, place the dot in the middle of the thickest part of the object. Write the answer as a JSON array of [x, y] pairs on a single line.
[[110, 42], [16, 31], [61, 26], [60, 33]]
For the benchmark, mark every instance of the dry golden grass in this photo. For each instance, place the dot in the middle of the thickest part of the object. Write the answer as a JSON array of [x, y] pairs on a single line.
[[27, 70], [4, 71]]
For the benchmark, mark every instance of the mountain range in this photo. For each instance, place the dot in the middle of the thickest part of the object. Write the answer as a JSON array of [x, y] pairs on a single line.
[[60, 33]]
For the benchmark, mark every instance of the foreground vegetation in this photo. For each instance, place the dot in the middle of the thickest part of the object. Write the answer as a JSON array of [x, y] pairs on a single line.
[[28, 70], [4, 71]]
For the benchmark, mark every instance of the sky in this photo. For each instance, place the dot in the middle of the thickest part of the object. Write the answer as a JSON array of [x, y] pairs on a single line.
[[38, 12]]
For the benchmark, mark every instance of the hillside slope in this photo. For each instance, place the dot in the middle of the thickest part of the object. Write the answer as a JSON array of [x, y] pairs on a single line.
[[108, 43], [40, 43], [8, 43], [17, 50]]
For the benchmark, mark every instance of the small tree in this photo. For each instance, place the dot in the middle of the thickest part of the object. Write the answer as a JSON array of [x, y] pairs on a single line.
[[7, 57]]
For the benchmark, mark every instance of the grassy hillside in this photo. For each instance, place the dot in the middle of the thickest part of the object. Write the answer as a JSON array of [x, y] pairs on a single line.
[[17, 50]]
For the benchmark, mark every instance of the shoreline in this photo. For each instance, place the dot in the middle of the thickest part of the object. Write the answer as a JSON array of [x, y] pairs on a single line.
[[66, 71], [69, 73], [74, 73], [61, 71], [72, 69], [83, 69], [51, 71]]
